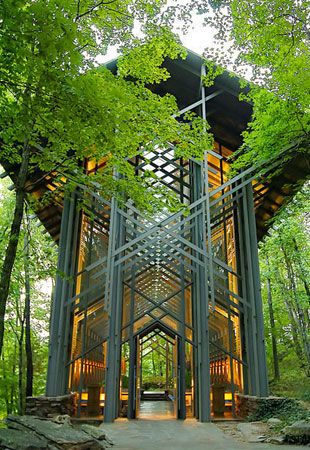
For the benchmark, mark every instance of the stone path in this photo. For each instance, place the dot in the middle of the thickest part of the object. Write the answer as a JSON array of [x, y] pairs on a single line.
[[176, 435], [156, 410]]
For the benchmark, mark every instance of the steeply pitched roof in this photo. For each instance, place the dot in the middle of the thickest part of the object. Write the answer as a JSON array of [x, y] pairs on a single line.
[[228, 118]]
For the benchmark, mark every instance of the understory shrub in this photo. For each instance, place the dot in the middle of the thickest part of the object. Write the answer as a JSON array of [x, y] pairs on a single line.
[[288, 410]]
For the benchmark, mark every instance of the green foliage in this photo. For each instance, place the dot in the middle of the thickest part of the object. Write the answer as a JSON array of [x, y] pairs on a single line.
[[153, 363], [286, 409], [54, 97], [278, 128], [293, 382], [155, 383], [42, 265], [288, 251], [145, 61], [212, 71], [268, 42]]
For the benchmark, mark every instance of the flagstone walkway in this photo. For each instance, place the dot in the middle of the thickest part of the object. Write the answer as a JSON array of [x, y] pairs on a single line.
[[176, 435]]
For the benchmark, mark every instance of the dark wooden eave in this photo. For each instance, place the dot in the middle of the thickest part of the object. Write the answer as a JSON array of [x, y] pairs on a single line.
[[37, 186]]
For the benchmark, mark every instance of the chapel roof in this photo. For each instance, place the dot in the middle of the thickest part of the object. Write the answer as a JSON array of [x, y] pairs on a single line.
[[228, 118]]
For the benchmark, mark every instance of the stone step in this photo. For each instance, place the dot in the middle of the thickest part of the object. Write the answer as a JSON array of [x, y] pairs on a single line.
[[153, 396]]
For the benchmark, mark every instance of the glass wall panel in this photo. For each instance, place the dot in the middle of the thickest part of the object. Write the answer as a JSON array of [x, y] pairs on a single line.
[[90, 323]]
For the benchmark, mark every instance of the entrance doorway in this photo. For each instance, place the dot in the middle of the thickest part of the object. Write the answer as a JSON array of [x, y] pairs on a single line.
[[157, 380]]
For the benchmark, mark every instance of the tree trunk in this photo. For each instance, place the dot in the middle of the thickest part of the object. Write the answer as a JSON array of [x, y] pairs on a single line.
[[28, 345], [276, 368], [153, 364], [300, 318], [13, 393], [298, 348], [303, 276], [5, 384], [10, 253], [21, 371], [294, 328]]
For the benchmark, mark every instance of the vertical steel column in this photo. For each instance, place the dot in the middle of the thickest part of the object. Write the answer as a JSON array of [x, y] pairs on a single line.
[[84, 304], [132, 383], [249, 289], [206, 279], [230, 327], [258, 384], [55, 313], [115, 312], [207, 203], [71, 291], [181, 340], [201, 297], [181, 379], [194, 295], [56, 382], [260, 339], [131, 414]]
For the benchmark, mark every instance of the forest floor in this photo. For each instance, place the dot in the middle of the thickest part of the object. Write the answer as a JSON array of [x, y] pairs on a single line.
[[250, 432]]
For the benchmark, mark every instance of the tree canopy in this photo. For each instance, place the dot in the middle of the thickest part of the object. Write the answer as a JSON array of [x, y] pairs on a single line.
[[53, 97], [58, 109], [268, 42]]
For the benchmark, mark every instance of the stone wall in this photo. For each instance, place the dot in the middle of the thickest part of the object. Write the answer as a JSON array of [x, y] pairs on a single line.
[[50, 406], [247, 405]]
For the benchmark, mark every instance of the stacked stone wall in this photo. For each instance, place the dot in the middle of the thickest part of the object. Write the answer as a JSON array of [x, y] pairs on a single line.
[[247, 405], [50, 406]]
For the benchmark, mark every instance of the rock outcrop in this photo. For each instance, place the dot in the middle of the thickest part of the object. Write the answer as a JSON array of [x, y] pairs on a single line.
[[298, 432], [37, 433]]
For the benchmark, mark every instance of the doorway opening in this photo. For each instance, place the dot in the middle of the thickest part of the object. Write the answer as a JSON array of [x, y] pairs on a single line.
[[157, 376], [156, 387]]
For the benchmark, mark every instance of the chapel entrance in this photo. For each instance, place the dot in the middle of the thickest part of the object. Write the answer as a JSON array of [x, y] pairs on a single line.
[[159, 389], [157, 376]]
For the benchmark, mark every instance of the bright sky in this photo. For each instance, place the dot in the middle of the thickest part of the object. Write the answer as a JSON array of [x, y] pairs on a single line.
[[197, 39]]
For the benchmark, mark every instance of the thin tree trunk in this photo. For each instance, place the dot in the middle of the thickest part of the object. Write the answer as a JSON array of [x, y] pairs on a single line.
[[19, 333], [153, 363], [5, 383], [300, 318], [12, 396], [303, 276], [294, 328], [276, 368], [10, 253], [28, 345], [298, 348], [21, 371]]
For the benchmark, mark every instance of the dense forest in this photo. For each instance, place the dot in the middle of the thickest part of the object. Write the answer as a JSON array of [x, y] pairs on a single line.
[[25, 350], [53, 92], [285, 274]]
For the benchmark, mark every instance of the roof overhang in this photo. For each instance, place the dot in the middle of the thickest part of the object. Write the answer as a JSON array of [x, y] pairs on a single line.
[[228, 118]]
